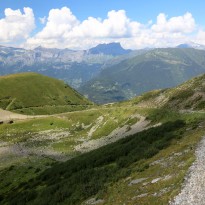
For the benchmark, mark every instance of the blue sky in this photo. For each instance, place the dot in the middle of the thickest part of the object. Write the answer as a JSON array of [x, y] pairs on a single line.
[[143, 12]]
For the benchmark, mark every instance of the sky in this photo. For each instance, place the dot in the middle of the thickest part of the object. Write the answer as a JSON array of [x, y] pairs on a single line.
[[81, 24]]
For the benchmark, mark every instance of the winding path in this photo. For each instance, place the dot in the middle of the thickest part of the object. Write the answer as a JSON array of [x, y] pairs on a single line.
[[193, 191]]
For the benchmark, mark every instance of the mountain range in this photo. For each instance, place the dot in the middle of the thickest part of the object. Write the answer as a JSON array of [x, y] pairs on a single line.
[[74, 67], [154, 69], [109, 73], [191, 45]]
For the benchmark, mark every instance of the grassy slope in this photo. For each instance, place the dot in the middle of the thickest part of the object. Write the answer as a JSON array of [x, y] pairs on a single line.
[[109, 171], [76, 127], [189, 95], [84, 176], [31, 140], [118, 191], [177, 153], [29, 92]]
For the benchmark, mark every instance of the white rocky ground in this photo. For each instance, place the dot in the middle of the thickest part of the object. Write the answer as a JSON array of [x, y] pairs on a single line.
[[193, 190], [21, 149], [114, 135]]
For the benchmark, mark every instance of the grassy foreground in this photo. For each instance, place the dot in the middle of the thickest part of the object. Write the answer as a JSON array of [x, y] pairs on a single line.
[[139, 169]]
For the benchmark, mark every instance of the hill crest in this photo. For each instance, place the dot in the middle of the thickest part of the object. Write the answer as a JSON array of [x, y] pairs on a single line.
[[33, 93]]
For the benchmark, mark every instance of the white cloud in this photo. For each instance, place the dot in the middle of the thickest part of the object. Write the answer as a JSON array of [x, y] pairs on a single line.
[[116, 25], [62, 29], [179, 24], [16, 25], [60, 22], [165, 32], [200, 37]]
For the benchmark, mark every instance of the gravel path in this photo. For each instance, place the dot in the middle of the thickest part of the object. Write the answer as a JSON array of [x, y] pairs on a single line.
[[193, 191]]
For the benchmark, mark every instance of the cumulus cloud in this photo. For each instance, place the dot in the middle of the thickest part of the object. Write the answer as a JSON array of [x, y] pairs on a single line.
[[60, 22], [16, 25], [165, 32], [116, 25], [179, 24], [63, 29]]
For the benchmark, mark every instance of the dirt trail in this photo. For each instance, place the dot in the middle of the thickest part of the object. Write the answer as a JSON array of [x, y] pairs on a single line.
[[6, 116]]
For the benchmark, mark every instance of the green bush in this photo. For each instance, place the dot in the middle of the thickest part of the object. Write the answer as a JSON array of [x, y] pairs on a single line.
[[200, 105]]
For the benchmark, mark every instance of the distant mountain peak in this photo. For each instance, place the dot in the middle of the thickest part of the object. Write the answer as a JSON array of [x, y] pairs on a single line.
[[191, 45], [113, 49]]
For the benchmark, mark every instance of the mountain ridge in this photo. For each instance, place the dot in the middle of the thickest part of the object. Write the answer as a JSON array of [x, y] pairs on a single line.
[[73, 66], [155, 69]]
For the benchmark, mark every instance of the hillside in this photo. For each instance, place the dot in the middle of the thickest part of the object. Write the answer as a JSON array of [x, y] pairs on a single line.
[[33, 93], [80, 178], [187, 96], [135, 152], [155, 69]]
